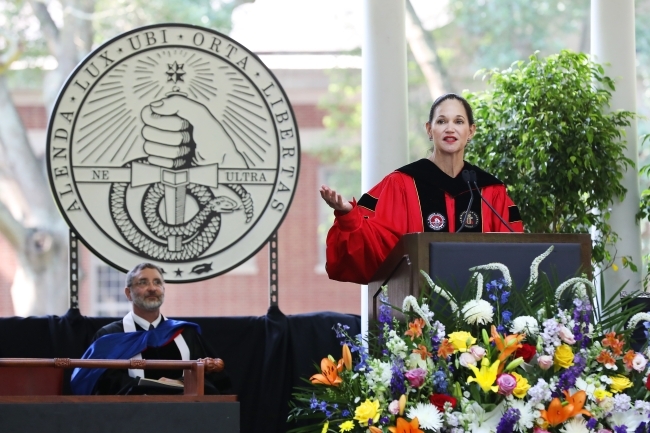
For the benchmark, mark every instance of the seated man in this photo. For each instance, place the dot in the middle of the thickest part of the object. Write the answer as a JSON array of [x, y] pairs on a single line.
[[144, 333]]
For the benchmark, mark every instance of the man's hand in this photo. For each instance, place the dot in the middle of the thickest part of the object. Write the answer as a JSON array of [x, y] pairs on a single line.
[[178, 131], [334, 200], [171, 381]]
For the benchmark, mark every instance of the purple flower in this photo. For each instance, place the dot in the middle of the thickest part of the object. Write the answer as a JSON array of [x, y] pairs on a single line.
[[620, 429], [397, 386], [313, 402], [640, 428], [416, 377], [506, 383], [504, 297], [591, 423], [508, 421], [345, 413], [384, 311], [570, 375], [506, 315]]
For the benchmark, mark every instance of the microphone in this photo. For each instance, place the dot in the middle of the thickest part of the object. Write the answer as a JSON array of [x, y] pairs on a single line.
[[467, 178], [472, 174]]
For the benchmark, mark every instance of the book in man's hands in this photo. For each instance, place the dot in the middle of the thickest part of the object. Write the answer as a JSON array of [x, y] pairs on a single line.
[[158, 387]]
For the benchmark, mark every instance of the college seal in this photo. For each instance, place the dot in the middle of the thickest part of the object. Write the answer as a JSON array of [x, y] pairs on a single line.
[[436, 221], [173, 144]]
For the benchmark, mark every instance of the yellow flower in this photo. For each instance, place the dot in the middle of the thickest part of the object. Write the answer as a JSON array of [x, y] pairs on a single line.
[[619, 383], [563, 357], [600, 394], [522, 385], [367, 410], [346, 426], [614, 267], [486, 376], [461, 340], [325, 427]]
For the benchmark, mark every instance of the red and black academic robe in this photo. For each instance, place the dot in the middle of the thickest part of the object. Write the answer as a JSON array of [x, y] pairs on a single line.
[[418, 197]]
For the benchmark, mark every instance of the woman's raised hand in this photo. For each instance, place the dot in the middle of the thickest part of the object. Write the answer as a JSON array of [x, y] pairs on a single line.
[[334, 200]]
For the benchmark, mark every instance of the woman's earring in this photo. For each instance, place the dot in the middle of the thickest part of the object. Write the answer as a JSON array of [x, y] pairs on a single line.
[[430, 138]]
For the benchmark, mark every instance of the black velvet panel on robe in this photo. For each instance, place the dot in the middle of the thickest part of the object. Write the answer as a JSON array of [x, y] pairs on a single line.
[[265, 357]]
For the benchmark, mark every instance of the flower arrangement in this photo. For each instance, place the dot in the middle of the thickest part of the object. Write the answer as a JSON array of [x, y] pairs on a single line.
[[496, 360]]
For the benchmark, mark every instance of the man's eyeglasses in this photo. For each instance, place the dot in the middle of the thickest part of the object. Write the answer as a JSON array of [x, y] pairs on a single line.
[[145, 283]]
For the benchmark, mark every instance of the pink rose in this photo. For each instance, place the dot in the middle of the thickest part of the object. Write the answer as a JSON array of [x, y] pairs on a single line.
[[466, 359], [393, 407], [545, 362], [506, 383], [478, 352], [604, 430], [416, 377], [566, 335]]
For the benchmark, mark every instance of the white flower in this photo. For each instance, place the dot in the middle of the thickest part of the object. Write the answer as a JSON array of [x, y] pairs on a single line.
[[466, 359], [479, 284], [414, 360], [575, 425], [379, 377], [478, 312], [526, 414], [525, 324], [410, 303], [631, 419], [534, 267], [639, 362], [428, 313], [496, 266], [481, 421], [577, 282], [396, 345], [428, 416], [631, 324], [438, 290]]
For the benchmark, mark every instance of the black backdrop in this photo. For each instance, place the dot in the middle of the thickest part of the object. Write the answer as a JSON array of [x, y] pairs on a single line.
[[265, 356]]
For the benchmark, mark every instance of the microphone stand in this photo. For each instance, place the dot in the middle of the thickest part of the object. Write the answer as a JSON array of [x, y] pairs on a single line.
[[467, 178], [473, 178]]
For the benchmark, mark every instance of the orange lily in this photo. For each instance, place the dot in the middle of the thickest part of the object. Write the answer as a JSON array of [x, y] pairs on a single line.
[[415, 328], [374, 429], [445, 349], [506, 345], [422, 351], [557, 413], [628, 358], [605, 357], [614, 342], [403, 426], [578, 401], [329, 374], [347, 357]]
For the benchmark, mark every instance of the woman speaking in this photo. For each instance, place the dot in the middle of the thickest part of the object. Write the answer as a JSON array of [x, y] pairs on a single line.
[[435, 194]]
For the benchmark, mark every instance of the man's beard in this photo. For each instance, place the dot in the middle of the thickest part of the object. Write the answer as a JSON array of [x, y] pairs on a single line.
[[149, 304]]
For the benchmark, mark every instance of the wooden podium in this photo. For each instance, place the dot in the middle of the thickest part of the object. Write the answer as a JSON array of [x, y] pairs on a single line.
[[447, 257]]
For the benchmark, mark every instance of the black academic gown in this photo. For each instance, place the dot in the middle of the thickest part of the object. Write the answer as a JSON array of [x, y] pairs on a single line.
[[118, 381]]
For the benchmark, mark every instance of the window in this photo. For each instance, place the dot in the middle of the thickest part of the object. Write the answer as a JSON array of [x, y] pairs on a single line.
[[107, 287]]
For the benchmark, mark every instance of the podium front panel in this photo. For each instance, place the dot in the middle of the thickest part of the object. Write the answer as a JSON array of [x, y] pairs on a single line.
[[449, 262]]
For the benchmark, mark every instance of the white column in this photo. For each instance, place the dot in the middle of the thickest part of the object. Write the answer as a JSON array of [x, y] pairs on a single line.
[[384, 102], [613, 45]]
